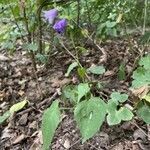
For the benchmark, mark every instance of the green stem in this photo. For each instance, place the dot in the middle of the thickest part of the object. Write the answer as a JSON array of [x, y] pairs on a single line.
[[145, 16]]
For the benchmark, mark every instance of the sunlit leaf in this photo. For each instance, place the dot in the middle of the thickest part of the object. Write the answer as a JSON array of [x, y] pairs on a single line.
[[50, 121], [97, 70], [144, 112], [71, 67], [18, 106], [119, 97], [89, 116], [4, 116], [83, 89]]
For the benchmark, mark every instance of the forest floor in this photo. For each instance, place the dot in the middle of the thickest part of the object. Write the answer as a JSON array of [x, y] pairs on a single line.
[[22, 131]]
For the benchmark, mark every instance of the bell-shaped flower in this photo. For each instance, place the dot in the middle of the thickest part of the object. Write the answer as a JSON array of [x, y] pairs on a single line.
[[50, 15], [60, 26]]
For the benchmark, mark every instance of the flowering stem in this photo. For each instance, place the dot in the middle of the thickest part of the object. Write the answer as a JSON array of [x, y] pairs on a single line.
[[71, 54]]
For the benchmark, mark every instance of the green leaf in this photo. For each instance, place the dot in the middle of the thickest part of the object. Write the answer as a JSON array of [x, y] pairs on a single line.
[[82, 72], [83, 89], [115, 116], [144, 112], [31, 47], [42, 58], [70, 92], [4, 116], [110, 24], [119, 97], [18, 106], [50, 121], [141, 78], [142, 73], [81, 49], [147, 98], [125, 114], [112, 119], [70, 68], [89, 116], [97, 70], [145, 62]]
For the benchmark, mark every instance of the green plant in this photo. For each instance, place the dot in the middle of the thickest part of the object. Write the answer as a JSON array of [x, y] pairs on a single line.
[[90, 111], [141, 74]]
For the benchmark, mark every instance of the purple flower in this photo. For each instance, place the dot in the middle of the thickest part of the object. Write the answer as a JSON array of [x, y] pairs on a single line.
[[60, 26], [50, 15]]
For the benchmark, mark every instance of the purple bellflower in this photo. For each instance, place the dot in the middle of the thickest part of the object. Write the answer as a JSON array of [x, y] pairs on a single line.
[[60, 26], [51, 15]]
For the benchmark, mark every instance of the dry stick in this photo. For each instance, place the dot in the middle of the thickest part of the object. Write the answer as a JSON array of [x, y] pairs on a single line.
[[75, 143], [38, 106], [140, 129]]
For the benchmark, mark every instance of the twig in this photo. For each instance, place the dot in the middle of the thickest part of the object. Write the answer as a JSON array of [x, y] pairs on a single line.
[[75, 143], [140, 129]]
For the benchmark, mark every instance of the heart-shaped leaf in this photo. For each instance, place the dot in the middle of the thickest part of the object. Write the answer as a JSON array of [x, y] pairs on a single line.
[[89, 116]]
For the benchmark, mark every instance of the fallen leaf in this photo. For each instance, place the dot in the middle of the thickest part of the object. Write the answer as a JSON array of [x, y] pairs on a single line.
[[141, 92], [18, 106], [21, 93], [3, 58], [23, 119], [19, 139], [139, 134], [67, 144]]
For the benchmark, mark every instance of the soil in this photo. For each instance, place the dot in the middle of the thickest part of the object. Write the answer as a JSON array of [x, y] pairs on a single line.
[[18, 81]]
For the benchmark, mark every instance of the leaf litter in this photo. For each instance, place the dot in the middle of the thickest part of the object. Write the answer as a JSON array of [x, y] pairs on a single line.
[[22, 131]]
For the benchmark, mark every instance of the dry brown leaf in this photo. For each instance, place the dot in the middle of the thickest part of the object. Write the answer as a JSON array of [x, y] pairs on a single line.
[[59, 83], [21, 93], [67, 144], [19, 139], [23, 119], [2, 95], [109, 73], [37, 145], [3, 58], [140, 92]]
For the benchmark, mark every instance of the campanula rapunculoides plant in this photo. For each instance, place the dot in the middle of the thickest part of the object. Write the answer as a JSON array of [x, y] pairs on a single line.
[[60, 25], [50, 15]]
